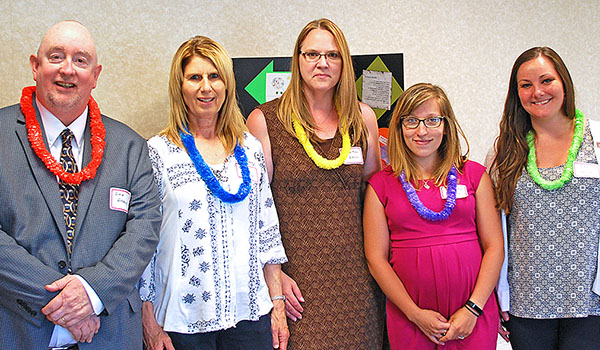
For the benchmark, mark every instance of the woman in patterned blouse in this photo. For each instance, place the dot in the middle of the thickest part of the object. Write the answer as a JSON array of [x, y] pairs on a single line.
[[215, 276], [547, 182]]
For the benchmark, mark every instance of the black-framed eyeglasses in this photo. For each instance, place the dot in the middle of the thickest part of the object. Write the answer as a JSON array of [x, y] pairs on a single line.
[[413, 123], [313, 56]]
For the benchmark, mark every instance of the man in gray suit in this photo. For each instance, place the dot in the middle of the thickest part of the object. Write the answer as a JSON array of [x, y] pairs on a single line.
[[80, 212]]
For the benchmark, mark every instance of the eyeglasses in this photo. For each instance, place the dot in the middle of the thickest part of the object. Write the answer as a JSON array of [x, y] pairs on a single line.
[[413, 123], [313, 56]]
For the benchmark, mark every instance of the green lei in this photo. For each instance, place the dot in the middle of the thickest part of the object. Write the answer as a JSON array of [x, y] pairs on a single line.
[[532, 168]]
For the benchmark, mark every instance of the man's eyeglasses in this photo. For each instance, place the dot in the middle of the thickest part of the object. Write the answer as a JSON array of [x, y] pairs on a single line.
[[413, 123], [313, 56]]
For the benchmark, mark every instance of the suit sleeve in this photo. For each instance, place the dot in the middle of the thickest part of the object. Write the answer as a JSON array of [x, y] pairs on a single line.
[[114, 278], [22, 281]]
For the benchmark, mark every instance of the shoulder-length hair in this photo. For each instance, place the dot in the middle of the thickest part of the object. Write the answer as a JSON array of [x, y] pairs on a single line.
[[230, 123], [511, 147], [293, 101], [402, 158]]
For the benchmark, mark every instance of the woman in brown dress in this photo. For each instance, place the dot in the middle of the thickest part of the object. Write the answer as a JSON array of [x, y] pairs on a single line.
[[320, 145]]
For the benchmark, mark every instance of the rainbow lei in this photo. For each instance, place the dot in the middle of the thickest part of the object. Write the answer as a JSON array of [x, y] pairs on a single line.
[[321, 162], [34, 134], [209, 178], [567, 173], [425, 212]]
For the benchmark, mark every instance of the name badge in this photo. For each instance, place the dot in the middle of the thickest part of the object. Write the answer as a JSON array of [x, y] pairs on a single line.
[[461, 192], [355, 156], [119, 199], [253, 172], [581, 169]]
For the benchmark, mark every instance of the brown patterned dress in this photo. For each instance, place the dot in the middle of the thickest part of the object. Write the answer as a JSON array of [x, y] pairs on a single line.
[[320, 213]]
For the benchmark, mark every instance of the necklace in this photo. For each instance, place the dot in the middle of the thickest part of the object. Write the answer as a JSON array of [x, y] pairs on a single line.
[[209, 178], [321, 162], [34, 134], [567, 173], [425, 212]]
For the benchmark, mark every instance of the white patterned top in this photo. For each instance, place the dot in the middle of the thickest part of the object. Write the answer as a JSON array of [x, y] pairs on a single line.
[[553, 244], [206, 273]]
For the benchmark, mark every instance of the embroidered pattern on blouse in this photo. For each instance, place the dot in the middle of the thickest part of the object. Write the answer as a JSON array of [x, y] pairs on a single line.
[[269, 239], [157, 166], [206, 231]]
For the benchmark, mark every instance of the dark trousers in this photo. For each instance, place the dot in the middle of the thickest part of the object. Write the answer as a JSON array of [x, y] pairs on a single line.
[[255, 335], [554, 334]]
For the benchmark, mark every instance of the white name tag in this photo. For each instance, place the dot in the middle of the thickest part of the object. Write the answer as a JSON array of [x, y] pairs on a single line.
[[119, 199], [253, 172], [355, 156], [461, 192], [581, 169]]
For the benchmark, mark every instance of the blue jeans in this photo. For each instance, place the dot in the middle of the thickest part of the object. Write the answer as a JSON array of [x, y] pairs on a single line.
[[245, 335]]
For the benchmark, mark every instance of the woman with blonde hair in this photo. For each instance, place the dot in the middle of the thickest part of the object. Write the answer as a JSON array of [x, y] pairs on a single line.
[[432, 234], [320, 145], [215, 276], [546, 173]]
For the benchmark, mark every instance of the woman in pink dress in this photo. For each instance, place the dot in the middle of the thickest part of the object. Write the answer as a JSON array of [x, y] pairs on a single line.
[[433, 238]]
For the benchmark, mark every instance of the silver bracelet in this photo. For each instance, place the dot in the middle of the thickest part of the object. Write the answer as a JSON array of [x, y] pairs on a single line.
[[278, 297]]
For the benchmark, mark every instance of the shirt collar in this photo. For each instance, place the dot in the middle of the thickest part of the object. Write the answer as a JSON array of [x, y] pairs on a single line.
[[53, 126]]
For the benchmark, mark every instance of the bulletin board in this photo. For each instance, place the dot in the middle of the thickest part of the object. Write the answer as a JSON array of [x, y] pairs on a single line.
[[379, 81]]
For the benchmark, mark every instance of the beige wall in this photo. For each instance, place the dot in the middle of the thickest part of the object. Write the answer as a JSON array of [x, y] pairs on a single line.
[[467, 47]]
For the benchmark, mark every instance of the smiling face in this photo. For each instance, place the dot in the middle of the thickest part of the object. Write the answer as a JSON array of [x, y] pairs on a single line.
[[540, 88], [424, 142], [203, 88], [66, 70], [322, 74]]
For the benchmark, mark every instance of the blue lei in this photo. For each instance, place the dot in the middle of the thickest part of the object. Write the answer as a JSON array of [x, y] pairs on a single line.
[[209, 178], [425, 212]]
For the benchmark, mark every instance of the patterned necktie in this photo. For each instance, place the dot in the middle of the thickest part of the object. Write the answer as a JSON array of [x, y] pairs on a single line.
[[68, 192]]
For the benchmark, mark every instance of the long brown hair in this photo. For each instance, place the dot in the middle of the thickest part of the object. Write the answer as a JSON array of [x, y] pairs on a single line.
[[401, 158], [230, 123], [511, 147], [293, 101]]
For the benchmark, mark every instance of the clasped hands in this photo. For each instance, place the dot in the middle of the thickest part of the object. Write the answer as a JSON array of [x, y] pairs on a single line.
[[439, 330], [72, 309]]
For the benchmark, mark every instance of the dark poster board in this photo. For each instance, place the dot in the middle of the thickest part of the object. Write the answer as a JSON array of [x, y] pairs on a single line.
[[248, 72]]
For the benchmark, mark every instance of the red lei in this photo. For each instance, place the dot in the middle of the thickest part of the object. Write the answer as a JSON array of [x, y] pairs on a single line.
[[34, 133]]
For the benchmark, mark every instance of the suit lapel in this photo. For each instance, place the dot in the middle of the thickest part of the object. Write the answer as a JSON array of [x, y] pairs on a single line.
[[46, 181], [88, 187]]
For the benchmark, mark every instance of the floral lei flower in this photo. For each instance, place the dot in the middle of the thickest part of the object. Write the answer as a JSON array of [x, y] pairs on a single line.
[[321, 162], [567, 173], [425, 212], [209, 178], [34, 134]]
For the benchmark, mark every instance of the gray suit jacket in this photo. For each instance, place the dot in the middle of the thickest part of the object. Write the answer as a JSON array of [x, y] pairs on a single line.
[[110, 250]]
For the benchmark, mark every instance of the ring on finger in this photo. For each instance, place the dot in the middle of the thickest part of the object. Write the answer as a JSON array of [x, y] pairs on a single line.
[[461, 337]]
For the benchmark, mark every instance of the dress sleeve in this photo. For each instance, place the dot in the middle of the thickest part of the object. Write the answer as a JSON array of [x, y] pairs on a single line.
[[147, 283], [377, 182], [270, 246], [473, 171]]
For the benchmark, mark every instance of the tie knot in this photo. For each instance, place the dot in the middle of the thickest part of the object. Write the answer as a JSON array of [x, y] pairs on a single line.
[[66, 136]]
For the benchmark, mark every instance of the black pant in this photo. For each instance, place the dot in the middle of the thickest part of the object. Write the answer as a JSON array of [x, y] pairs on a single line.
[[255, 335], [554, 334]]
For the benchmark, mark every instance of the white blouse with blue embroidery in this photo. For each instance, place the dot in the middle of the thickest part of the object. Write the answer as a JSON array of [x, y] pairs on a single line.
[[206, 274]]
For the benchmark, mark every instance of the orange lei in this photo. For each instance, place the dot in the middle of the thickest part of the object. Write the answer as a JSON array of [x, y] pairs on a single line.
[[34, 134]]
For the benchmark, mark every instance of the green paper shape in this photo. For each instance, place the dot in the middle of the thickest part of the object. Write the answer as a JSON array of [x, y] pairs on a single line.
[[256, 88], [378, 66]]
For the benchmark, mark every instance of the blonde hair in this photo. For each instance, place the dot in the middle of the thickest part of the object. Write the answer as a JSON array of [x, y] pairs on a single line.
[[293, 101], [230, 123], [401, 158]]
